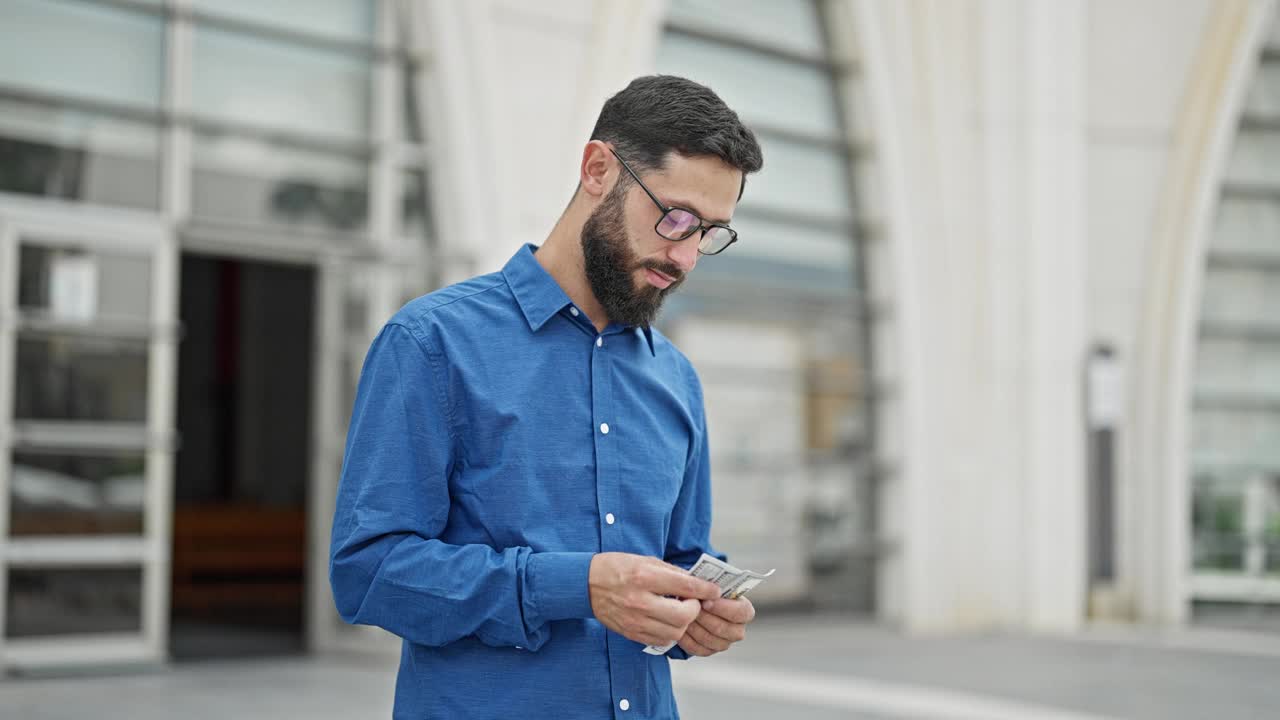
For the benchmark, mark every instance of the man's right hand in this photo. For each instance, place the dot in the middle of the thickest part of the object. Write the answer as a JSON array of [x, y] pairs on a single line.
[[629, 594]]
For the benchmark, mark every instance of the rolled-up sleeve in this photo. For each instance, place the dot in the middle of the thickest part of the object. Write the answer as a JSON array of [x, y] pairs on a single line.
[[388, 566]]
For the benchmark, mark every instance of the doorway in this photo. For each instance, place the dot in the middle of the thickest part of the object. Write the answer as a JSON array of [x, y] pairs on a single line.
[[241, 473]]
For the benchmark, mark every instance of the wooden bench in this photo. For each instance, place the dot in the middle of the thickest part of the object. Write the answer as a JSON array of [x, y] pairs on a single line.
[[229, 558]]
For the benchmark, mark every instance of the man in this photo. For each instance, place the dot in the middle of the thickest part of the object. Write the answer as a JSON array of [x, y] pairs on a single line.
[[526, 472]]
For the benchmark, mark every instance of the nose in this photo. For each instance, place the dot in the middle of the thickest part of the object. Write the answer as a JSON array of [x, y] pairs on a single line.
[[684, 253]]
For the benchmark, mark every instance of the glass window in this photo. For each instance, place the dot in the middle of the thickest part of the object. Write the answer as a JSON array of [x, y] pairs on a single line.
[[1217, 519], [801, 178], [73, 601], [73, 283], [342, 19], [761, 88], [64, 377], [790, 24], [1250, 437], [1241, 295], [1264, 96], [1246, 224], [1237, 366], [791, 242], [78, 155], [81, 49], [74, 494], [1255, 159], [412, 123], [265, 82], [415, 211], [246, 180]]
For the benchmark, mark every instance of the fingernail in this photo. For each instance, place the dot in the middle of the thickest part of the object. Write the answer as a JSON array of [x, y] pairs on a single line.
[[706, 604]]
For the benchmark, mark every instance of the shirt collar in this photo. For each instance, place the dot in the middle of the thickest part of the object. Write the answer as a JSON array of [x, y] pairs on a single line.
[[539, 295]]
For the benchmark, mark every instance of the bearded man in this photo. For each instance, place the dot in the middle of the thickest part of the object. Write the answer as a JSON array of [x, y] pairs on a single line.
[[527, 475]]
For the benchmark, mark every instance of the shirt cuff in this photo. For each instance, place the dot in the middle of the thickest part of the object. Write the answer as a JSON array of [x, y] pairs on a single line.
[[556, 586]]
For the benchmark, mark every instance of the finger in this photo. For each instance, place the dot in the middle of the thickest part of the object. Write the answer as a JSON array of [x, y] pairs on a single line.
[[665, 579], [699, 633], [693, 647], [730, 632], [739, 611], [654, 632], [670, 611]]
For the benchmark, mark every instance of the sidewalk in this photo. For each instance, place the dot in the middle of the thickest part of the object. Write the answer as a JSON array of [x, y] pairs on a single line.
[[800, 668]]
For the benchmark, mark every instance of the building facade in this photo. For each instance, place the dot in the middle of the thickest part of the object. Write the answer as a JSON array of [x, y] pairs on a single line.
[[208, 208]]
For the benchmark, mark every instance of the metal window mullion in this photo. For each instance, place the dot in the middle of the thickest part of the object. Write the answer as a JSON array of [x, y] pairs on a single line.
[[320, 622], [8, 349], [80, 550], [176, 175]]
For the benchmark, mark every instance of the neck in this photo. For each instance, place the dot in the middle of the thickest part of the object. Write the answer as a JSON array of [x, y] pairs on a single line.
[[561, 256]]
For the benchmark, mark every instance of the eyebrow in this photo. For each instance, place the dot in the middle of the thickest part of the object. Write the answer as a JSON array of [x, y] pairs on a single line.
[[674, 202]]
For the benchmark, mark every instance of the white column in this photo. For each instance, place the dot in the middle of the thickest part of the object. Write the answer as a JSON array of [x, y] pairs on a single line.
[[979, 122]]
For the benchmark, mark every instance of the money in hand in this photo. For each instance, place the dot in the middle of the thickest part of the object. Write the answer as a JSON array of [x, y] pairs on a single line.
[[733, 582]]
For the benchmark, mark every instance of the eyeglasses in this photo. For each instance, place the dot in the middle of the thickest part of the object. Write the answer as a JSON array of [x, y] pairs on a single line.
[[678, 223]]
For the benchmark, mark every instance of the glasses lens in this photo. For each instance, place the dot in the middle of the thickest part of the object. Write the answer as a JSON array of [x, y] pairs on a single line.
[[678, 224], [715, 239]]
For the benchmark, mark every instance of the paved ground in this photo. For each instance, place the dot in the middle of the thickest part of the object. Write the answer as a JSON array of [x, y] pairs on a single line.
[[797, 668]]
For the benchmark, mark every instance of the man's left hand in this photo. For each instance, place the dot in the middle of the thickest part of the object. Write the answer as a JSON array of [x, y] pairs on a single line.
[[720, 624]]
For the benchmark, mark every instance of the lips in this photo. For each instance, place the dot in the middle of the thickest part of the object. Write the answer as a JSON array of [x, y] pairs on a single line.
[[657, 279]]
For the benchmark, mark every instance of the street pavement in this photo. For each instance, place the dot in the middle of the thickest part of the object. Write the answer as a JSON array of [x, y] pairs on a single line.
[[797, 667]]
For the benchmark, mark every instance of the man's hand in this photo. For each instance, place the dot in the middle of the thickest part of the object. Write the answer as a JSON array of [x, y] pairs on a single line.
[[721, 623], [644, 599]]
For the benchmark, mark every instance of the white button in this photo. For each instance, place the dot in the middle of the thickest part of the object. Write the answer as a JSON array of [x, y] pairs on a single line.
[[608, 517], [604, 428], [624, 704], [599, 342], [573, 311]]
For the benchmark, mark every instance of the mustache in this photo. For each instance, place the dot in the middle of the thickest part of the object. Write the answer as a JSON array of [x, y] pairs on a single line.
[[670, 271]]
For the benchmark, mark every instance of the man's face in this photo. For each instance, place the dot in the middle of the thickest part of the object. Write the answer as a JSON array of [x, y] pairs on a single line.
[[630, 267]]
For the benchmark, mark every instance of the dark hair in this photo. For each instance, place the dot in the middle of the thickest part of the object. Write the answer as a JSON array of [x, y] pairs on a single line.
[[657, 114]]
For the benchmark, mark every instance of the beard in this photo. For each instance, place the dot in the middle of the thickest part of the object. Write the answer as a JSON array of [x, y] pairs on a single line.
[[611, 265]]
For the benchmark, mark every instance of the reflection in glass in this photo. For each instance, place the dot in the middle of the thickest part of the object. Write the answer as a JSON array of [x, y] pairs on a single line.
[[86, 50], [78, 155], [791, 24], [792, 242], [762, 88], [1248, 224], [64, 377], [1217, 520], [258, 81], [72, 601], [244, 180], [73, 494], [415, 209], [1246, 295], [412, 127], [78, 284], [345, 19], [801, 178]]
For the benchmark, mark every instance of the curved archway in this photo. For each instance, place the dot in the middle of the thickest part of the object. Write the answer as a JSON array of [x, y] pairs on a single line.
[[1156, 548]]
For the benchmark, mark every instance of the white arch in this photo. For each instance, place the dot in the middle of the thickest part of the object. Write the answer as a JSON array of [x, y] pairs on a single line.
[[1155, 531]]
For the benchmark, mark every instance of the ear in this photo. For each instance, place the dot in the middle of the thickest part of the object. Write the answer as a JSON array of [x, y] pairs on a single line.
[[598, 172]]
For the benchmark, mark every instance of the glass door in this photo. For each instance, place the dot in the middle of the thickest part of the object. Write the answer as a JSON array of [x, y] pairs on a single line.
[[87, 353]]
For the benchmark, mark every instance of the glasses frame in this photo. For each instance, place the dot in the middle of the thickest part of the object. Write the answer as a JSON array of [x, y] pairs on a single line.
[[666, 210]]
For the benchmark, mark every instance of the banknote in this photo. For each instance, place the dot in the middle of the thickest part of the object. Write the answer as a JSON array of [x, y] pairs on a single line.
[[734, 583]]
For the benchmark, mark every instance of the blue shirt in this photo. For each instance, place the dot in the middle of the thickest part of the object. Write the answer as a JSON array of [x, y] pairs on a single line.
[[497, 443]]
